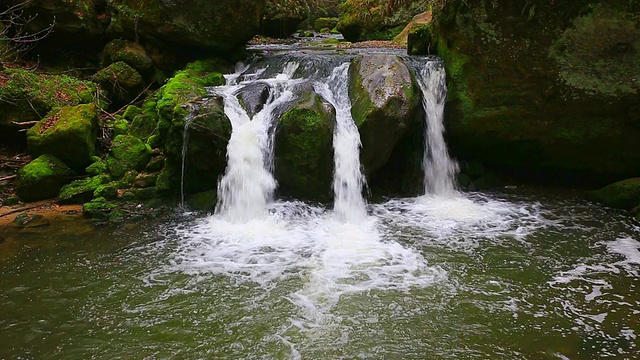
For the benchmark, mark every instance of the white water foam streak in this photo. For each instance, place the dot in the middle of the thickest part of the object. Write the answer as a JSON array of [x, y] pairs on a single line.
[[248, 185], [439, 169], [348, 180]]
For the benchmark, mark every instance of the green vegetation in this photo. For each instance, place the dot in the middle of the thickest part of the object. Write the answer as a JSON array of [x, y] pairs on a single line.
[[42, 178], [621, 195], [127, 153]]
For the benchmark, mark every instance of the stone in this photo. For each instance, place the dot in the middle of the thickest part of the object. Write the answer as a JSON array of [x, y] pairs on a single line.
[[68, 133], [543, 88], [304, 149], [133, 54], [81, 191], [127, 153], [42, 178], [385, 104]]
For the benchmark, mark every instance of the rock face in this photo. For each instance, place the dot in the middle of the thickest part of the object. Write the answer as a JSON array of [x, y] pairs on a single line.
[[220, 25], [42, 178], [281, 18], [68, 133], [304, 149], [385, 102], [544, 88]]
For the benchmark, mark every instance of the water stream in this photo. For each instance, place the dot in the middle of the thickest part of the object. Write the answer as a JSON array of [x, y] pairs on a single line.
[[520, 273]]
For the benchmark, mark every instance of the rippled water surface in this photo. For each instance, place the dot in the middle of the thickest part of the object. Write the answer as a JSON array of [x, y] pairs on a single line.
[[512, 275]]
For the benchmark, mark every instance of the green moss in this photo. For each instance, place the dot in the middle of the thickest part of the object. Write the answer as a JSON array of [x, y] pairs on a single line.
[[68, 133], [118, 75], [304, 159], [25, 95], [108, 191], [143, 127], [131, 112], [621, 195], [131, 53], [120, 127], [587, 50], [456, 64], [127, 153], [98, 166], [154, 141], [325, 23], [98, 208], [42, 178], [81, 191], [156, 164]]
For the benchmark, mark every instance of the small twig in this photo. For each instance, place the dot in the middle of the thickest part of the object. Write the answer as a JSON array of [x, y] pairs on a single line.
[[22, 209], [8, 177], [25, 123]]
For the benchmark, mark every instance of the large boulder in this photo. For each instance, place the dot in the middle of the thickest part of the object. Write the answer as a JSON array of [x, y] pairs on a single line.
[[42, 178], [68, 133], [123, 82], [180, 101], [547, 90], [220, 25], [27, 96], [208, 134], [303, 149], [385, 102]]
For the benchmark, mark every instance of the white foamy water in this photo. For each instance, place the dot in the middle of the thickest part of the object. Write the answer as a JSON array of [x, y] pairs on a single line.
[[248, 185], [333, 258], [440, 170], [349, 205], [459, 220]]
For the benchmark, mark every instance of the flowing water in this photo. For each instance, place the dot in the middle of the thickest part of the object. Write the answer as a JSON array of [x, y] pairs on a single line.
[[516, 274]]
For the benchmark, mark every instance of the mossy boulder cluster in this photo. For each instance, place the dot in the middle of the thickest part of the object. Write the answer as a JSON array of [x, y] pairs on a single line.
[[546, 90]]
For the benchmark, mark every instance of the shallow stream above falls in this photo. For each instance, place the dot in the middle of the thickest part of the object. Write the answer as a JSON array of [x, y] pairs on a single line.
[[519, 273]]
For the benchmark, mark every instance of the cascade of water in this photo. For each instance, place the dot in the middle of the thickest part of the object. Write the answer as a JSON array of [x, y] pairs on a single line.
[[247, 187], [185, 146], [439, 169], [348, 179]]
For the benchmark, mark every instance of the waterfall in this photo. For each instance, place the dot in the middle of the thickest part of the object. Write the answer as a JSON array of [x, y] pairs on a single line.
[[348, 179], [439, 169], [247, 187]]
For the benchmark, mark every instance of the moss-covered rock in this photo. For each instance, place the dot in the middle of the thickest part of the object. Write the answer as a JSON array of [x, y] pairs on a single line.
[[209, 128], [81, 191], [42, 178], [98, 208], [623, 194], [304, 151], [131, 53], [98, 167], [27, 96], [68, 133], [131, 112], [143, 126], [325, 23], [108, 191], [281, 18], [385, 103], [121, 80], [416, 26], [543, 89], [364, 20], [127, 153], [221, 25]]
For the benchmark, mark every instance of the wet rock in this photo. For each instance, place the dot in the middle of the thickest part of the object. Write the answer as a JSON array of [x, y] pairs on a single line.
[[253, 97], [81, 191], [42, 178], [304, 149], [385, 103], [547, 90], [68, 133], [623, 194]]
